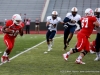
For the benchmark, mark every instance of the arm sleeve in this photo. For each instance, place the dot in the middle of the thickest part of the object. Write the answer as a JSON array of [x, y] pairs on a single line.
[[94, 19], [47, 19], [66, 19]]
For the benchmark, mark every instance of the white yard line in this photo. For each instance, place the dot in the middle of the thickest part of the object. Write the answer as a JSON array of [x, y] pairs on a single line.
[[28, 50]]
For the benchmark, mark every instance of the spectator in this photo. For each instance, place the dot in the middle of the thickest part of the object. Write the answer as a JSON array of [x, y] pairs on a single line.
[[27, 23], [24, 18], [37, 22]]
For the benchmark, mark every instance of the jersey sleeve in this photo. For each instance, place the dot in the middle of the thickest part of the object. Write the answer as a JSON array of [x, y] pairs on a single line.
[[79, 17], [8, 23], [94, 19], [60, 20], [67, 15], [48, 19]]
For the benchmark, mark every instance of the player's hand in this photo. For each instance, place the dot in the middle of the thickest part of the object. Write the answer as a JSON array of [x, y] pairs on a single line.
[[9, 31], [21, 32]]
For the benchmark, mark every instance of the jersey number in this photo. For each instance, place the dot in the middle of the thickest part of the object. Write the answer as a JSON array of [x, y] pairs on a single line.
[[15, 33], [85, 23]]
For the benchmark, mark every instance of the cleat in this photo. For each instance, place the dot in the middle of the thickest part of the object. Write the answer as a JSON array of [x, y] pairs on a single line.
[[51, 45], [97, 59], [65, 47], [49, 49], [65, 56], [7, 58], [92, 52], [79, 62], [3, 59]]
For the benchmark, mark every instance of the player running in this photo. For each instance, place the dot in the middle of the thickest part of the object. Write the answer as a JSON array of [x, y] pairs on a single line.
[[88, 23], [11, 29], [70, 24], [52, 22], [97, 41]]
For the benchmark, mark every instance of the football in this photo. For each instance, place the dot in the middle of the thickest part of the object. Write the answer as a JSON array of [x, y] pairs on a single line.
[[9, 30]]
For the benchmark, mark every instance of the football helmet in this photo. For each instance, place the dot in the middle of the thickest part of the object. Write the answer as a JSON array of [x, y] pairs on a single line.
[[16, 19], [89, 12], [97, 12], [74, 9], [54, 14]]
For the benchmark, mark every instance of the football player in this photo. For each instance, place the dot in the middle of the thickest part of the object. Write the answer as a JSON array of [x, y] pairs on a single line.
[[52, 22], [11, 29], [70, 23], [88, 23], [97, 14]]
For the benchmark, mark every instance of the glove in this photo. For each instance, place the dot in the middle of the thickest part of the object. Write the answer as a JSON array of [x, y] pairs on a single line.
[[65, 26]]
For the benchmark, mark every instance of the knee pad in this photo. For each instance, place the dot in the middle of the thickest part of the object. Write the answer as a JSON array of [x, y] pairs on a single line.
[[84, 52], [74, 50]]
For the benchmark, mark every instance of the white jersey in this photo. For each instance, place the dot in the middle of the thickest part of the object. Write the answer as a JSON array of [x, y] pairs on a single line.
[[56, 21], [76, 18], [98, 28]]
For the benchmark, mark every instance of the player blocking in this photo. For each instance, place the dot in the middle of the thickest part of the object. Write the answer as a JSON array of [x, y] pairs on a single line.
[[89, 21]]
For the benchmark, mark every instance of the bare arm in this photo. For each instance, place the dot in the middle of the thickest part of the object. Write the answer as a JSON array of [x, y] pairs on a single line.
[[5, 31], [97, 24], [47, 24], [21, 32], [62, 22]]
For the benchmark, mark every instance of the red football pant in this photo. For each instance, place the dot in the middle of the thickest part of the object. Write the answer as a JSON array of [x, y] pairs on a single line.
[[92, 46], [83, 42], [9, 42]]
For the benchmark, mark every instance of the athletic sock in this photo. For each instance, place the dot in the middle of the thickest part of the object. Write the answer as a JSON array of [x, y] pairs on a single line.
[[5, 54], [79, 58], [68, 53], [97, 54], [49, 46]]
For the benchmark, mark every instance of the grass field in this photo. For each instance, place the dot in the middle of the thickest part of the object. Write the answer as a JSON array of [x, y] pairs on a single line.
[[35, 62]]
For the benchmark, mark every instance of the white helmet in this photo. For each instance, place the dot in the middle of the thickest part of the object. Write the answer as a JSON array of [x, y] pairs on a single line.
[[89, 12], [74, 9], [97, 10], [54, 13], [16, 19]]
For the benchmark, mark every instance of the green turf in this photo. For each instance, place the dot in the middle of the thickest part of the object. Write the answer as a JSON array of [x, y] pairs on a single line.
[[35, 62]]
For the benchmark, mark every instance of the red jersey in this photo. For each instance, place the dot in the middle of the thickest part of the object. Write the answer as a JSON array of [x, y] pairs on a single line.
[[14, 27], [87, 25]]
